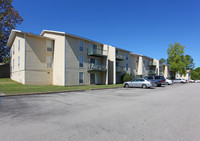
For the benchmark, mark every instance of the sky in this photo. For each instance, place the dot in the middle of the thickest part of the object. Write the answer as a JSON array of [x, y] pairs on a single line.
[[144, 27]]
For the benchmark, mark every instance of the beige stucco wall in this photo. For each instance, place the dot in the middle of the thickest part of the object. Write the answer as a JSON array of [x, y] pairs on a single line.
[[186, 77], [166, 73], [157, 66], [72, 61], [58, 58], [112, 65], [140, 66], [36, 71], [133, 65], [17, 73]]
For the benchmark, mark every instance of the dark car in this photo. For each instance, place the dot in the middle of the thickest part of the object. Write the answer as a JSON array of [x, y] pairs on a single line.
[[157, 79]]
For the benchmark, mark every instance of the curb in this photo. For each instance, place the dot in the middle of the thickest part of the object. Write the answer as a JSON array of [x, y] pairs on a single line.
[[45, 93]]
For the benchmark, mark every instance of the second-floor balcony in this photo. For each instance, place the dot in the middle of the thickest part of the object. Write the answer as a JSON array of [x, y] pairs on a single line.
[[94, 67], [120, 56], [97, 52], [152, 64], [120, 69], [152, 72]]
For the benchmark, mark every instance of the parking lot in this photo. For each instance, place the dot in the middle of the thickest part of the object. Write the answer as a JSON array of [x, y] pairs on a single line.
[[167, 113]]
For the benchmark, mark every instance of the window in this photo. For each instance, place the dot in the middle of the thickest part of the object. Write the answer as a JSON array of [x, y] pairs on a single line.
[[126, 56], [18, 61], [18, 45], [49, 61], [150, 77], [81, 61], [13, 64], [117, 64], [81, 45], [13, 49], [81, 77], [117, 52], [49, 45], [126, 66]]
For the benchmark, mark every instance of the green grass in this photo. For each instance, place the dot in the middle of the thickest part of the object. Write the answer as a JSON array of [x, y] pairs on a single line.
[[8, 86]]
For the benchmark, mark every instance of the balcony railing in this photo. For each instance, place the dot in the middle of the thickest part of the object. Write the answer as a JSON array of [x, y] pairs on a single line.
[[94, 67], [97, 52], [151, 72], [120, 56], [152, 64], [120, 69]]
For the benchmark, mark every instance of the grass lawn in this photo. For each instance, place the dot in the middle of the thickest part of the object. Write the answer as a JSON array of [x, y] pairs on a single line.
[[8, 86]]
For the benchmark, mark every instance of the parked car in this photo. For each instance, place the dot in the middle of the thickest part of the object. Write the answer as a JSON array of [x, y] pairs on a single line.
[[169, 82], [180, 81], [139, 83], [197, 81], [158, 80], [191, 81]]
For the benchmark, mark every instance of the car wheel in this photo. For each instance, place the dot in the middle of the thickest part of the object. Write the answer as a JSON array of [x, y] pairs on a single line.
[[156, 84], [167, 83], [144, 86], [126, 86]]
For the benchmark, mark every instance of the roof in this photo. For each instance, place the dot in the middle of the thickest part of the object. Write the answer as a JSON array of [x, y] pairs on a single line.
[[13, 34], [64, 33]]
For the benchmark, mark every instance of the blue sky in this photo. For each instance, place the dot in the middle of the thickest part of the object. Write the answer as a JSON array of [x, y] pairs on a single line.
[[142, 26]]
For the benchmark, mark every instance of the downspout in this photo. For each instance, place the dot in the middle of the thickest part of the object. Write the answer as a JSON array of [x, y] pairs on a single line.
[[64, 60]]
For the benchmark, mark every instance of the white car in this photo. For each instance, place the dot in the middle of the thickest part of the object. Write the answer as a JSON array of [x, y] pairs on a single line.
[[191, 81], [139, 83], [168, 82], [180, 81], [197, 81]]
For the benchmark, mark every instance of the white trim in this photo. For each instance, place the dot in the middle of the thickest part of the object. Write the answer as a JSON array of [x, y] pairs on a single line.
[[79, 77], [79, 37], [64, 60], [24, 51], [81, 58]]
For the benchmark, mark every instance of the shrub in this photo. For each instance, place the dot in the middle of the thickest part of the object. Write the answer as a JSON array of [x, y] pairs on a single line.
[[127, 77]]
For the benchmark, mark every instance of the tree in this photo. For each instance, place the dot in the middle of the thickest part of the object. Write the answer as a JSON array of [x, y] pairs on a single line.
[[190, 65], [126, 77], [176, 59], [195, 74], [163, 60], [9, 18]]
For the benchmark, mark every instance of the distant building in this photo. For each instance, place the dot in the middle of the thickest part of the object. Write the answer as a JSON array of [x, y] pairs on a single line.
[[186, 77]]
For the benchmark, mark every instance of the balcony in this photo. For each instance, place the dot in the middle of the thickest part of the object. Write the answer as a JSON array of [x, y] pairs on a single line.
[[120, 69], [152, 64], [94, 67], [152, 72], [120, 56], [97, 52]]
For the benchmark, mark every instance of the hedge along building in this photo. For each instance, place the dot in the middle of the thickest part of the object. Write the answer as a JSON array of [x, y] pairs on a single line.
[[59, 58]]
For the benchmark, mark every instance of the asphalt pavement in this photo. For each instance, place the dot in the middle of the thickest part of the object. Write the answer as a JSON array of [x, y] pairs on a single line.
[[167, 113]]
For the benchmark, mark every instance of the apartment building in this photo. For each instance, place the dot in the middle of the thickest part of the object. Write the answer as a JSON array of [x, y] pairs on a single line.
[[31, 57], [59, 58]]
